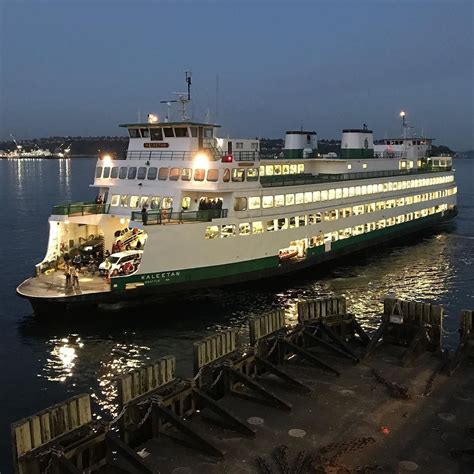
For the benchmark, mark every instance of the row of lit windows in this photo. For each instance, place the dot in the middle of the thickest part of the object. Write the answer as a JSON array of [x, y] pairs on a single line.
[[257, 227], [151, 202], [279, 200], [158, 133], [174, 174], [187, 174]]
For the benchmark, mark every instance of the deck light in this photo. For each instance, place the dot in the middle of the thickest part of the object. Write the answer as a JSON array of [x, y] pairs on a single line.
[[402, 113], [201, 160], [107, 159], [152, 118]]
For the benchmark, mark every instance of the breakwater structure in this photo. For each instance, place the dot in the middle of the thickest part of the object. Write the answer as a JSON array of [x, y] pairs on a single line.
[[320, 396]]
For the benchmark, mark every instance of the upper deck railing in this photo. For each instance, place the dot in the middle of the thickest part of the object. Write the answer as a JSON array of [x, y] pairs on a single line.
[[307, 178], [80, 209], [166, 216]]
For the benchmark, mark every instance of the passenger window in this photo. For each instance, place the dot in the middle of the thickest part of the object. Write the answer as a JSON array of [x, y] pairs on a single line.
[[163, 174], [254, 202], [199, 174], [257, 227], [134, 201], [141, 172], [144, 201], [156, 134], [174, 174], [186, 174], [212, 175], [114, 172], [240, 204], [98, 172], [168, 131], [167, 203], [155, 202], [124, 200], [132, 172], [185, 203], [212, 232], [134, 133], [226, 177], [115, 200], [123, 172], [244, 229], [228, 230], [152, 172], [267, 201], [279, 200], [252, 174], [106, 172], [238, 175]]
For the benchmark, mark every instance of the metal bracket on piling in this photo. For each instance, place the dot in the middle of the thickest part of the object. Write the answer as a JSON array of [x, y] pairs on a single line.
[[114, 443], [163, 412], [269, 367], [265, 396], [235, 422], [308, 357]]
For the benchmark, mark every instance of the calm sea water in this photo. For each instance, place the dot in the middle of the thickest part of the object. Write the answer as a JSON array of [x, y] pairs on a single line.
[[46, 360]]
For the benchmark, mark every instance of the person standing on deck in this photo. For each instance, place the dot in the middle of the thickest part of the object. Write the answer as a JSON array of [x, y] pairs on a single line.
[[144, 215], [67, 274], [75, 277]]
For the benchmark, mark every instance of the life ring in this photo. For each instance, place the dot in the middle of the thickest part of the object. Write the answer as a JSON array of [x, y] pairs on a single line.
[[128, 268]]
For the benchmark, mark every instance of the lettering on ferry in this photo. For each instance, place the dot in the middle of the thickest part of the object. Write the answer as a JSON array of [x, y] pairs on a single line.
[[160, 276], [156, 145]]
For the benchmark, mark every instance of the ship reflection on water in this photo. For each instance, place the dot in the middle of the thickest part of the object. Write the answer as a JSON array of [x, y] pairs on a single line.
[[88, 354]]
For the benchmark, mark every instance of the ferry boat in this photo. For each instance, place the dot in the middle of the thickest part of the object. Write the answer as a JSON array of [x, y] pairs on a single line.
[[206, 211]]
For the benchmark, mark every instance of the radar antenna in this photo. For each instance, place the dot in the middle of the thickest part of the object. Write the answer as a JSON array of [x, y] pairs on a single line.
[[182, 99]]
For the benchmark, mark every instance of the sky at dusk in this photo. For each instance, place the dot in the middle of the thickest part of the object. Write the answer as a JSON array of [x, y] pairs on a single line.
[[75, 67]]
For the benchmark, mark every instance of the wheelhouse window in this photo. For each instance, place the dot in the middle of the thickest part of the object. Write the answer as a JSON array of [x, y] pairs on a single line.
[[240, 204], [145, 133], [106, 173], [199, 174], [181, 132], [134, 133], [186, 174], [114, 172], [141, 172], [194, 132], [98, 172], [174, 174], [168, 131], [123, 172], [156, 134], [152, 172], [163, 174], [238, 175], [132, 172], [213, 175], [208, 133]]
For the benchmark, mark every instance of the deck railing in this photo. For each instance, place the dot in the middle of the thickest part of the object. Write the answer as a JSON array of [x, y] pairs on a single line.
[[164, 216], [80, 209], [307, 178]]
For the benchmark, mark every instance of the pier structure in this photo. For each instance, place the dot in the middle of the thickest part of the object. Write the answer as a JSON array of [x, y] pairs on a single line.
[[321, 396]]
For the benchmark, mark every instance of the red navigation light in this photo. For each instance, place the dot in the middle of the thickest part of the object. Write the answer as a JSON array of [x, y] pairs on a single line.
[[227, 159]]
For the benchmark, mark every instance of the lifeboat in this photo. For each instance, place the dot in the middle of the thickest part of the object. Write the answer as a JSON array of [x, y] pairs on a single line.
[[287, 254]]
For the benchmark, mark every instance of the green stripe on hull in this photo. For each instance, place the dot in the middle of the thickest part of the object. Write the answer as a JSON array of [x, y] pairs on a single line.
[[195, 274], [231, 269]]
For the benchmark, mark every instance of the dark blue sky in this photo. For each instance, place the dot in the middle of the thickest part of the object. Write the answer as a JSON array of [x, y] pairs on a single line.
[[75, 67]]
